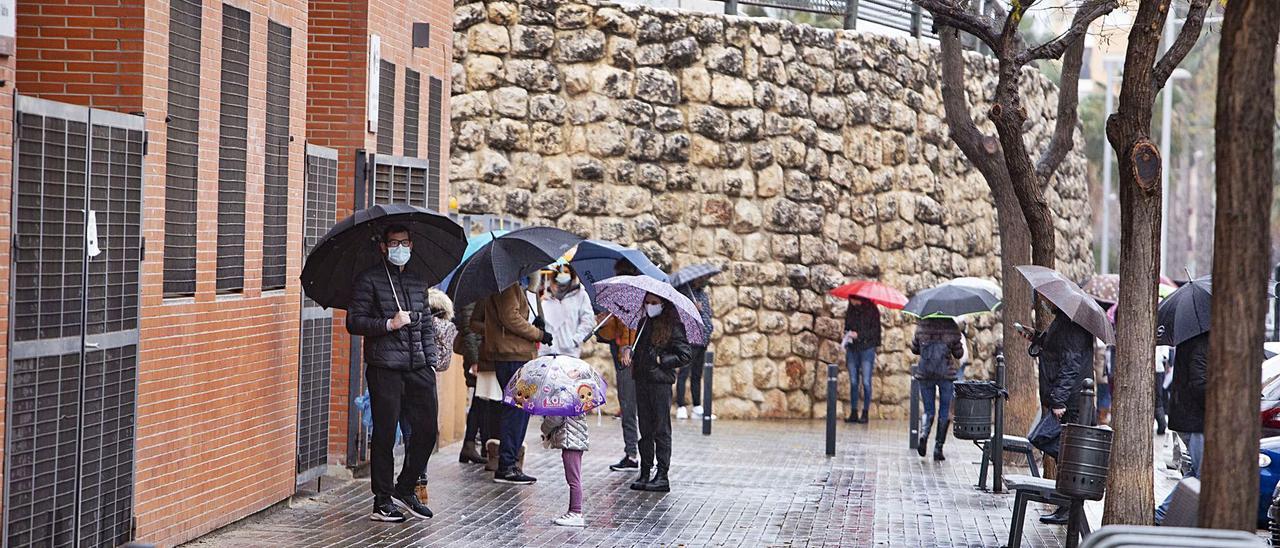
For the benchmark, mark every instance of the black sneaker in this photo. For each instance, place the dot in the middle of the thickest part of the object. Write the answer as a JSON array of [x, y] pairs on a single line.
[[412, 505], [386, 511], [627, 463], [514, 477]]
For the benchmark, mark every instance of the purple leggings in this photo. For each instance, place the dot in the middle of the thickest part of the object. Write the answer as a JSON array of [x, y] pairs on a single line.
[[573, 476]]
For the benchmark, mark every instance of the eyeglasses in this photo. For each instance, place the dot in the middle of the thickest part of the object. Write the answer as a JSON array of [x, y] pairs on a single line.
[[399, 243]]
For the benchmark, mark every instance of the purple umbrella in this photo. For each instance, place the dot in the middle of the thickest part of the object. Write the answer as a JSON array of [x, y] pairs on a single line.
[[623, 296]]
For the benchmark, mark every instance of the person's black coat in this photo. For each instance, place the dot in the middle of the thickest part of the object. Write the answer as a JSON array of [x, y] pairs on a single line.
[[864, 319], [1066, 360], [373, 303], [1186, 392], [657, 364]]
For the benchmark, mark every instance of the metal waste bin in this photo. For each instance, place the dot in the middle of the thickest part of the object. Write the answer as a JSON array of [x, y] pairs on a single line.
[[972, 409], [1083, 460]]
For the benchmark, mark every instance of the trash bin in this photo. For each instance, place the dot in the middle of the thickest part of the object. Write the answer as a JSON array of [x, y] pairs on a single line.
[[972, 409], [1083, 461]]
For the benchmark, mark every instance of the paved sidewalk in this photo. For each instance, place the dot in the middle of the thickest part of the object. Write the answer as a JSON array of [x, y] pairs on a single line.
[[760, 483]]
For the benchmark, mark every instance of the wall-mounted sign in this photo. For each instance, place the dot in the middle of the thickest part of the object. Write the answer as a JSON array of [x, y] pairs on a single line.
[[371, 81], [8, 27]]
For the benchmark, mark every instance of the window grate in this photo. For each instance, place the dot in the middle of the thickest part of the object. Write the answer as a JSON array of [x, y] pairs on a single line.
[[386, 107], [400, 181], [106, 467], [435, 142], [275, 200], [313, 393], [48, 255], [233, 146], [115, 193], [321, 202], [182, 149], [412, 98]]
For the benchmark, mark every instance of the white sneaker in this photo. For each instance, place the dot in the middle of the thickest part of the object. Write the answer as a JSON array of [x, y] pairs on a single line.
[[570, 520], [682, 413], [697, 410]]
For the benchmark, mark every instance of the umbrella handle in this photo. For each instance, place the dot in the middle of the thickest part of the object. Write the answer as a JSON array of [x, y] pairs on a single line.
[[596, 329]]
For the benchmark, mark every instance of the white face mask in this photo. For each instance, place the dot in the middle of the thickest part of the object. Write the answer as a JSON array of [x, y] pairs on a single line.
[[399, 256], [653, 309], [563, 278]]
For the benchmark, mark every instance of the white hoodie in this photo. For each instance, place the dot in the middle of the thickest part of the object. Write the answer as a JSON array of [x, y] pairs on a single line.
[[569, 320]]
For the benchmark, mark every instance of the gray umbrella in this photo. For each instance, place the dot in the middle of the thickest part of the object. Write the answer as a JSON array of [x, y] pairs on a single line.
[[689, 274], [1073, 301]]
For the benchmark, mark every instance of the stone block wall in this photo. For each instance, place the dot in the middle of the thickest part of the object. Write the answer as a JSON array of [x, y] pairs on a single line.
[[796, 158]]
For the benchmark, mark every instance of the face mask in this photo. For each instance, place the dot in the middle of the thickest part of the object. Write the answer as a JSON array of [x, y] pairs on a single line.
[[653, 310], [563, 278], [399, 256]]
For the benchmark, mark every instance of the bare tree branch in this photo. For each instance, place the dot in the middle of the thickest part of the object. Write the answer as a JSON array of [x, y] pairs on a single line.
[[1064, 129], [1187, 38], [957, 15], [976, 146], [1084, 17]]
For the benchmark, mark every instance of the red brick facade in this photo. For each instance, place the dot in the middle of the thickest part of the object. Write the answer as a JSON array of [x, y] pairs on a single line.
[[217, 405]]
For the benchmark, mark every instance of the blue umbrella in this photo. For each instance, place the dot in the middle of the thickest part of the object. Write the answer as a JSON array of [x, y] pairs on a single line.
[[474, 244], [594, 261]]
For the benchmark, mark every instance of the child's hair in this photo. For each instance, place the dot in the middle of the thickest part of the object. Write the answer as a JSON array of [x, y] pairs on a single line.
[[441, 305]]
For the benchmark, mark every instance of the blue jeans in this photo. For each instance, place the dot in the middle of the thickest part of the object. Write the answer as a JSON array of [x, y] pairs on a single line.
[[1195, 448], [860, 364], [514, 421], [944, 391]]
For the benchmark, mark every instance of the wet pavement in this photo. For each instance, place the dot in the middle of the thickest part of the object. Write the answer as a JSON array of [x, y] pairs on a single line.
[[760, 483]]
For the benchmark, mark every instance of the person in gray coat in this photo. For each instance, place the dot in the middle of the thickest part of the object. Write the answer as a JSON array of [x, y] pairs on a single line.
[[569, 435]]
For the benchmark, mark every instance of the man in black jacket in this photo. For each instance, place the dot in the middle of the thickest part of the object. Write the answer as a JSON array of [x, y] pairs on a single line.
[[1186, 403], [862, 336], [1066, 360], [389, 309]]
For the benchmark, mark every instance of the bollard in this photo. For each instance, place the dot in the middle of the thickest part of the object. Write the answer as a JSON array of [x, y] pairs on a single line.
[[1088, 407], [708, 370], [997, 438], [833, 374], [913, 430]]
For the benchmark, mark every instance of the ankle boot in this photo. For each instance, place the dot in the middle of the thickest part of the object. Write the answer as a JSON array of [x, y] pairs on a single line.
[[659, 483], [491, 448], [922, 444], [641, 482], [864, 418], [470, 453], [942, 439], [520, 457]]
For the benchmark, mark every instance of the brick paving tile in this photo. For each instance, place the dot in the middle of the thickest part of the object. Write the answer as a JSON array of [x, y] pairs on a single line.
[[760, 483]]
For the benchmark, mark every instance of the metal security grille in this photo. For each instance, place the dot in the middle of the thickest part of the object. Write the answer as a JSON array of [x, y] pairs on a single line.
[[435, 141], [72, 383], [233, 147], [182, 148], [275, 199], [386, 107], [315, 360], [400, 180], [412, 96]]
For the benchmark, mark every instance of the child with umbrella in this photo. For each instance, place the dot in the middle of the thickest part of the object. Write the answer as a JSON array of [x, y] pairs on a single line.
[[667, 324]]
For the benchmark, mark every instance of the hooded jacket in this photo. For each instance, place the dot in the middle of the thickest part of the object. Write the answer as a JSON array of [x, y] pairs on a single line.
[[503, 320], [570, 320], [1066, 360], [944, 331], [378, 294], [657, 364]]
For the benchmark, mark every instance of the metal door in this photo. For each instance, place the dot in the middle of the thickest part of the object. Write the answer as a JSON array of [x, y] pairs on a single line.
[[77, 216], [316, 344]]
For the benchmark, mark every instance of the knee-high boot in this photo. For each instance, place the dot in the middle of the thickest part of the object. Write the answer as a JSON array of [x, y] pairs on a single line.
[[922, 444], [943, 426]]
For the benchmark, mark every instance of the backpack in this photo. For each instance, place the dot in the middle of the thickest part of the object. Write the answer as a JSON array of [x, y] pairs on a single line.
[[934, 363]]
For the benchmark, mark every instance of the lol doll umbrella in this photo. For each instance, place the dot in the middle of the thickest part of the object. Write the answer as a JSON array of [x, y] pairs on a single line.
[[557, 386]]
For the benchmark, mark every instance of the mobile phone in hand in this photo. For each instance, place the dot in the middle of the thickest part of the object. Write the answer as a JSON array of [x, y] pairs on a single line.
[[1024, 329]]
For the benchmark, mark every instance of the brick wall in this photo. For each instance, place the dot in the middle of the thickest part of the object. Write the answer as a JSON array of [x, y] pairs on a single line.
[[337, 97], [85, 52]]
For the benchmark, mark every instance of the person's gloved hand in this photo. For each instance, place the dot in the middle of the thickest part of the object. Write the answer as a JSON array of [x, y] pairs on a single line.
[[546, 338], [539, 323]]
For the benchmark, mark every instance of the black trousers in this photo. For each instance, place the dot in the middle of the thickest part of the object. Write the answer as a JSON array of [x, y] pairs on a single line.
[[653, 405], [691, 371], [390, 393]]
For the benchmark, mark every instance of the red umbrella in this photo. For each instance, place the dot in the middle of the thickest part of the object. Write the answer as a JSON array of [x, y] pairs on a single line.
[[875, 292]]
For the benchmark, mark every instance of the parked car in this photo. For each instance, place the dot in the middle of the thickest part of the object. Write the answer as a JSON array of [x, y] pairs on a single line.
[[1269, 467], [1270, 404]]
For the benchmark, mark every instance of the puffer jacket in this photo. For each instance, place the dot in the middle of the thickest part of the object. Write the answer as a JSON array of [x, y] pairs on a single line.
[[565, 433], [1066, 360], [374, 301], [503, 320], [657, 364]]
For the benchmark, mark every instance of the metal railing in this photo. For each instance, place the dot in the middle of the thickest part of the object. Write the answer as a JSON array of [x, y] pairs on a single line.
[[902, 15]]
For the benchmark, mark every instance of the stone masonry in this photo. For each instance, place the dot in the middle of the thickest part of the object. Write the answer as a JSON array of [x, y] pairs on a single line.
[[794, 157]]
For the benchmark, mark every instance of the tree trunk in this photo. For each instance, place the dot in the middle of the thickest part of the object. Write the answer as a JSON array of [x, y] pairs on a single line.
[[1130, 495], [1244, 133], [1008, 115]]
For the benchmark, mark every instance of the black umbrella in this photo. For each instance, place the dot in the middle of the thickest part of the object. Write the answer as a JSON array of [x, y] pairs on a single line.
[[692, 273], [1184, 313], [950, 301], [351, 247], [507, 259]]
